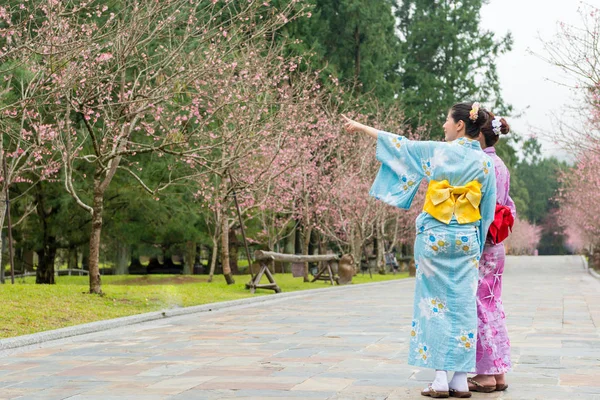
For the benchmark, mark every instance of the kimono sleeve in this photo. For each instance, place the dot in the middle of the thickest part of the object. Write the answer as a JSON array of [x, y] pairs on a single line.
[[503, 188], [401, 170], [487, 208], [509, 201], [511, 204]]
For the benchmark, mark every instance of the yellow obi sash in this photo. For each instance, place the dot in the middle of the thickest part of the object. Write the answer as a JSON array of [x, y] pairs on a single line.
[[443, 200]]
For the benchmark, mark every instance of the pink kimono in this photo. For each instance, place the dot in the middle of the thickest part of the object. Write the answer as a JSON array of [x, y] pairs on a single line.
[[493, 345]]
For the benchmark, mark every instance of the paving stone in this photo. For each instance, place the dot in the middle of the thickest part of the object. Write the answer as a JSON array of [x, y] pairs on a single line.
[[331, 345]]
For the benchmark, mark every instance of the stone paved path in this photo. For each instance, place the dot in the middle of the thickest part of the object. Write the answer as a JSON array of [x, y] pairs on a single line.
[[348, 344]]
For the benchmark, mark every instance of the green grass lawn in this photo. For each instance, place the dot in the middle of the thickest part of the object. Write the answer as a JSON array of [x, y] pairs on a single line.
[[29, 308]]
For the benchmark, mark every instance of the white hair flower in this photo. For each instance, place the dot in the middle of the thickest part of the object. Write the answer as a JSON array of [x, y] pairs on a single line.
[[497, 126]]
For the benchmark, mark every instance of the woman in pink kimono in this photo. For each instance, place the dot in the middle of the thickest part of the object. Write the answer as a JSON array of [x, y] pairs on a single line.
[[493, 345]]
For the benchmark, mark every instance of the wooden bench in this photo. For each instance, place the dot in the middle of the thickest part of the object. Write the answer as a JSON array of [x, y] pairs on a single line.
[[264, 258]]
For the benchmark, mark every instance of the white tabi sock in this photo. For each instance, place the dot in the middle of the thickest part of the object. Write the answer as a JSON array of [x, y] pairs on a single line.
[[459, 382], [440, 383]]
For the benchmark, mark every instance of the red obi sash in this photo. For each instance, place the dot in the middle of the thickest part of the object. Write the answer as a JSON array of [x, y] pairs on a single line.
[[501, 226]]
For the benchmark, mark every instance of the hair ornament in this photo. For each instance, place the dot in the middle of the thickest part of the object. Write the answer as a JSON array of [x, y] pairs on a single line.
[[474, 113], [497, 126]]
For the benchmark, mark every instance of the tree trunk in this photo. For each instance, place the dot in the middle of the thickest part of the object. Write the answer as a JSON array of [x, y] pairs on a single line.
[[47, 254], [298, 239], [45, 269], [85, 258], [233, 252], [225, 250], [190, 258], [313, 244], [72, 261], [28, 261], [357, 250], [289, 248], [123, 258], [2, 270], [395, 237], [289, 243], [135, 266], [380, 250], [357, 53], [2, 216], [198, 259], [94, 270], [19, 261], [305, 251], [168, 264], [213, 258]]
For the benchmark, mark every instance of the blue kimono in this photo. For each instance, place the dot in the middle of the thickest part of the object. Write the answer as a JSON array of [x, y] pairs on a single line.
[[448, 244]]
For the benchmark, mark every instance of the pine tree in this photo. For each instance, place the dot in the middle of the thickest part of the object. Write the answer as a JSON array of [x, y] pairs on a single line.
[[354, 40], [446, 57]]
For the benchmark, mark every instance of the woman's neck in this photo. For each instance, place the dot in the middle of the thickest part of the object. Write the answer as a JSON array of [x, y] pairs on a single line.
[[460, 135]]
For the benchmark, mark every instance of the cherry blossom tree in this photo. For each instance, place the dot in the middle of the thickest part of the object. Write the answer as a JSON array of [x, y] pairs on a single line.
[[578, 206], [262, 104], [26, 153], [118, 84], [575, 51], [353, 217], [202, 91], [523, 239]]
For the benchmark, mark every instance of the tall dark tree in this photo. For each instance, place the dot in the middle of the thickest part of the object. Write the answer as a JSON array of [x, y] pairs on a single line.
[[446, 57], [541, 178], [55, 225], [354, 41]]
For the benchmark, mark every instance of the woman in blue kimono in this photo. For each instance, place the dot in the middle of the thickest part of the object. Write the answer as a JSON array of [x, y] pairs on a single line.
[[451, 231]]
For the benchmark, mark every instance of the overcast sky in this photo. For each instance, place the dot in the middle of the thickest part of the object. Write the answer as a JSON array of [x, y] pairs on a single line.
[[527, 81]]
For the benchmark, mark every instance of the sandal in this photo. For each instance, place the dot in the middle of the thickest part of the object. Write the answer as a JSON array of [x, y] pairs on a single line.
[[459, 394], [478, 387], [501, 387], [434, 393]]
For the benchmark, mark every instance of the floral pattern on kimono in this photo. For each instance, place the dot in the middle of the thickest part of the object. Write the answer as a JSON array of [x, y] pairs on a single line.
[[445, 308], [493, 344]]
